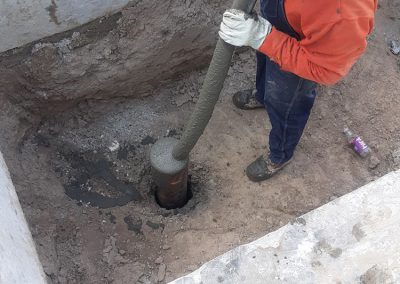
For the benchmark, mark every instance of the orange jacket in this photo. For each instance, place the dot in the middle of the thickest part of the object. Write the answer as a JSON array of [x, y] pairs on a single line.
[[333, 36]]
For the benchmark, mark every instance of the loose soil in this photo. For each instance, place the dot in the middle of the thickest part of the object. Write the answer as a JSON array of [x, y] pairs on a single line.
[[83, 175]]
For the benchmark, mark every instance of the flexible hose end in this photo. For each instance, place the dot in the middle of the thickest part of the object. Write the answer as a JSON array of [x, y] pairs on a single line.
[[169, 174]]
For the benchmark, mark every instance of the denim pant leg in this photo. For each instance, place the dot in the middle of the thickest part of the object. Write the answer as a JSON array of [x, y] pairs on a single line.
[[260, 76], [288, 100]]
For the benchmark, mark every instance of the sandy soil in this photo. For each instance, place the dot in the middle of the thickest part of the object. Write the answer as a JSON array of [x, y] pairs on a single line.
[[84, 182]]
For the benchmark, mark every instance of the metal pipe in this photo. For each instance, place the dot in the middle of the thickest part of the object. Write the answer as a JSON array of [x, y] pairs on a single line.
[[169, 174], [210, 91]]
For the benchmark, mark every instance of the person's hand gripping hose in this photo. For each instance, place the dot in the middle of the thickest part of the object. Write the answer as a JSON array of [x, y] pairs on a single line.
[[241, 29]]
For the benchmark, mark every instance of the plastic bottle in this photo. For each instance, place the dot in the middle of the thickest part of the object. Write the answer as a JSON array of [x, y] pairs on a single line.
[[359, 146]]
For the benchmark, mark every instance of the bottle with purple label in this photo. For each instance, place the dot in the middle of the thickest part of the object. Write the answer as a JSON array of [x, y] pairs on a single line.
[[359, 146]]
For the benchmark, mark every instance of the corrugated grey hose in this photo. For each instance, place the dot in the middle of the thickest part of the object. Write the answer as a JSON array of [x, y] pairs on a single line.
[[210, 91]]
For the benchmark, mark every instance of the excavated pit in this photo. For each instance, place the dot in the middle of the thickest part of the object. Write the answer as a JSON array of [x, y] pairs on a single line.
[[77, 147]]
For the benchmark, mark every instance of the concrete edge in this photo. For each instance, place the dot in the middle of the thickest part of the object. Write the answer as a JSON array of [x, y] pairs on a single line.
[[352, 239], [18, 257]]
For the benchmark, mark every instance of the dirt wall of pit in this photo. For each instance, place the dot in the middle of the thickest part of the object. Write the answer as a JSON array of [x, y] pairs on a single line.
[[130, 53]]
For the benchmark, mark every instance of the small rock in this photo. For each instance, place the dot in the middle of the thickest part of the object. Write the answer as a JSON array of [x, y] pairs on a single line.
[[191, 268], [197, 167], [64, 46], [395, 47], [182, 99], [396, 156], [122, 252], [107, 249], [120, 259], [166, 247], [148, 140], [107, 52], [134, 224], [161, 272], [154, 225], [334, 92], [75, 35], [114, 146], [373, 162], [333, 197], [159, 260]]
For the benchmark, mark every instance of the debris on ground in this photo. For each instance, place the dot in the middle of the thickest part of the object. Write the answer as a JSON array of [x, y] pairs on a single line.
[[114, 146], [159, 260], [373, 162], [161, 272], [358, 144], [396, 156], [395, 47]]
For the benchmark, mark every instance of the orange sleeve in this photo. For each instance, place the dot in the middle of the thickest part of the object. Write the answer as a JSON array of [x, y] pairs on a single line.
[[325, 54]]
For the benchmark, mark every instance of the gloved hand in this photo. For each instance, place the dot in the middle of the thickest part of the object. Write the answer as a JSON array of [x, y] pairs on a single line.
[[241, 29]]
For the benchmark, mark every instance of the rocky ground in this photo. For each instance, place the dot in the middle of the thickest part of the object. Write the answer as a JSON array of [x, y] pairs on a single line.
[[83, 175]]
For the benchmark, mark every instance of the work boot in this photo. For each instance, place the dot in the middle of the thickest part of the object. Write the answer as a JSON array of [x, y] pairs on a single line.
[[246, 100], [263, 168]]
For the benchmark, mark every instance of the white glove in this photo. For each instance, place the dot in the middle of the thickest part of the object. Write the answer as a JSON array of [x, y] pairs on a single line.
[[241, 29]]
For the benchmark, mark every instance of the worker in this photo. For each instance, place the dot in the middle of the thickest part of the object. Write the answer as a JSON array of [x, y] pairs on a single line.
[[299, 45]]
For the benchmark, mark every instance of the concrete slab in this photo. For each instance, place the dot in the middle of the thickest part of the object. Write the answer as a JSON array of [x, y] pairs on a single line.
[[24, 21], [353, 239], [19, 262]]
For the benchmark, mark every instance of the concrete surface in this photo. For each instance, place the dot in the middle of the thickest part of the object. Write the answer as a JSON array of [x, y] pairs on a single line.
[[24, 21], [19, 262], [353, 239]]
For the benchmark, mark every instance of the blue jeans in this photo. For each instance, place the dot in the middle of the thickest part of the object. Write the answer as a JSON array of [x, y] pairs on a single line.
[[288, 100]]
